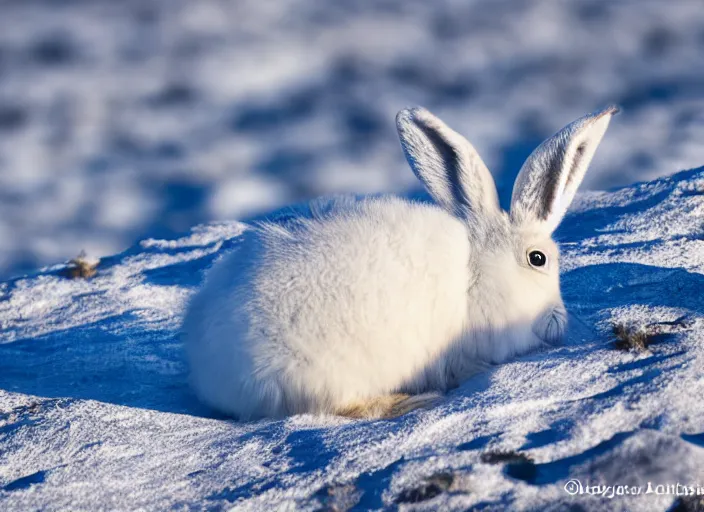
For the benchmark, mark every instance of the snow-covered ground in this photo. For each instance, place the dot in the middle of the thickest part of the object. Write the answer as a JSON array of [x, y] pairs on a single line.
[[95, 412], [141, 118]]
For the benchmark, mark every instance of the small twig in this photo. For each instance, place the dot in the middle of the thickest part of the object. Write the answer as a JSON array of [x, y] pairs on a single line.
[[629, 337], [81, 267]]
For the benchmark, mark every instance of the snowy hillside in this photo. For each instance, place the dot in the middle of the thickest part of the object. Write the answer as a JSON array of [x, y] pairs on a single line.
[[95, 412], [123, 120]]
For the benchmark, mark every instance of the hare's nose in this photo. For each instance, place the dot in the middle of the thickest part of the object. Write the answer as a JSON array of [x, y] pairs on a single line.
[[552, 327]]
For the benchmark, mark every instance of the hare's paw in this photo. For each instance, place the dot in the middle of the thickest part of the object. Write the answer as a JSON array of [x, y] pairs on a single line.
[[390, 406]]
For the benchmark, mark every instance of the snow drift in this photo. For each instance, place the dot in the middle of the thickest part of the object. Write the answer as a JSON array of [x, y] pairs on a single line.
[[95, 411]]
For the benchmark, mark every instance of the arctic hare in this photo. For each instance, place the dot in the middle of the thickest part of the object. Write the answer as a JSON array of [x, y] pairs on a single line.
[[371, 307]]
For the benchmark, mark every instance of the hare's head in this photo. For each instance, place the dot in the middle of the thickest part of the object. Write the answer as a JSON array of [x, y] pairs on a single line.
[[514, 260]]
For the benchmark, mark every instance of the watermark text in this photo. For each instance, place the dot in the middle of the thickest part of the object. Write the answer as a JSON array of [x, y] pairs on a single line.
[[575, 488]]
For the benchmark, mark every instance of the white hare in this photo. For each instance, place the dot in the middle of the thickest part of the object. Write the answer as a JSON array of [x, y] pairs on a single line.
[[371, 307]]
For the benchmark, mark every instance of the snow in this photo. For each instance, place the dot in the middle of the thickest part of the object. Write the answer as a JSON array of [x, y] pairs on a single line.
[[133, 119], [95, 412], [127, 121]]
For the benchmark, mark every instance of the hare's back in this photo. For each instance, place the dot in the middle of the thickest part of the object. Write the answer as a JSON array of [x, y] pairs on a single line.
[[363, 248]]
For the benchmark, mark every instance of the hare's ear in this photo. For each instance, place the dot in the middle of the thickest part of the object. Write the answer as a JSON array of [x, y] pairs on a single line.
[[447, 164], [549, 178]]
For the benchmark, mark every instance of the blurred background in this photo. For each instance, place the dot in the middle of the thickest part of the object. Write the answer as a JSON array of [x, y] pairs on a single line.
[[121, 120]]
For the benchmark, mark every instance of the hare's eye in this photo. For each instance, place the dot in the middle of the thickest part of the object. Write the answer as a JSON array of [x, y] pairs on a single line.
[[537, 259]]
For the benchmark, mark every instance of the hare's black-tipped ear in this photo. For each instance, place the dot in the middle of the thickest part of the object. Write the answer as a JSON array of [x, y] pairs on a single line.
[[447, 164], [550, 177]]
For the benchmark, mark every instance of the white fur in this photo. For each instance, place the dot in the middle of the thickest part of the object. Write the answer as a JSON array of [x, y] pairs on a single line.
[[356, 299]]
